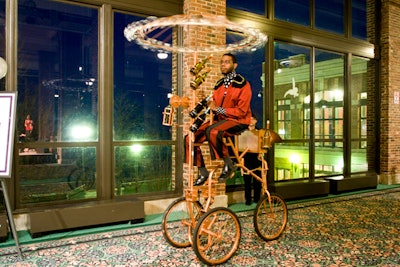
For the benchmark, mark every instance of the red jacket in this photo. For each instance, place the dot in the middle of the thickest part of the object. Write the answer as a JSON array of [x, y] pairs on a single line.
[[235, 99]]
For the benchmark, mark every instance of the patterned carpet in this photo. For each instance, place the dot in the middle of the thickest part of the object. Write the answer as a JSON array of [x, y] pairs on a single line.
[[352, 230]]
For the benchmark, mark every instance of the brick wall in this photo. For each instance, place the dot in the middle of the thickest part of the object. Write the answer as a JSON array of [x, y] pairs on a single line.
[[389, 88], [200, 36]]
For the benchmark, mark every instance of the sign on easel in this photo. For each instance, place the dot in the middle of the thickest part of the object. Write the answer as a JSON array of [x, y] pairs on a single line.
[[8, 102], [7, 125]]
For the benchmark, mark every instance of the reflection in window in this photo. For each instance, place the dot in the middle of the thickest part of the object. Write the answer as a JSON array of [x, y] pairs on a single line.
[[329, 116], [253, 6], [359, 114], [57, 69], [294, 11], [57, 174], [57, 101], [142, 169], [250, 65], [291, 161], [329, 15], [292, 110], [142, 82], [359, 19]]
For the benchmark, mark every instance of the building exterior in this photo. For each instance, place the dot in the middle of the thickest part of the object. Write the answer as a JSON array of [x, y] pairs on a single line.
[[326, 79]]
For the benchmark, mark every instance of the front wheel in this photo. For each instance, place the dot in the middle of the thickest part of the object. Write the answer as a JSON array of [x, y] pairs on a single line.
[[270, 217], [216, 236], [177, 222]]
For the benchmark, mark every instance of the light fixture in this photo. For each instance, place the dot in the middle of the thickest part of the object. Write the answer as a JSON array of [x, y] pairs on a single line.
[[162, 55], [3, 68]]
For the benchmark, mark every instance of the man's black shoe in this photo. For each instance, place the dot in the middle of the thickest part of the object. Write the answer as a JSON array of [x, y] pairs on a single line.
[[200, 180], [227, 172]]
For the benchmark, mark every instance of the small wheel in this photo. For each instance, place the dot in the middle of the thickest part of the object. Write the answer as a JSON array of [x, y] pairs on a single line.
[[177, 222], [270, 218], [216, 236]]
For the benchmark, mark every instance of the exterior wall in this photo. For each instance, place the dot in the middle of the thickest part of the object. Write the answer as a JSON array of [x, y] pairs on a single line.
[[390, 90]]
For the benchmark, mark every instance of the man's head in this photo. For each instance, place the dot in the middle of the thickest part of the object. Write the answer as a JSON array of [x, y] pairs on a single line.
[[228, 63]]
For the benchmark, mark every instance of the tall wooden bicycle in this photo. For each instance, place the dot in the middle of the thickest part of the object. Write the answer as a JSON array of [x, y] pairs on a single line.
[[214, 233]]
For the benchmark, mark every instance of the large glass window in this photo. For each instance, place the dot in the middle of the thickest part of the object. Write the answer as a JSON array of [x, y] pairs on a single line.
[[358, 115], [57, 101], [253, 6], [359, 19], [292, 110], [329, 15], [294, 11], [142, 82], [328, 110]]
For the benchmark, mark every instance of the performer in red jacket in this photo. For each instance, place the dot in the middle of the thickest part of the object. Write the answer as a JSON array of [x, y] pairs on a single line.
[[231, 106]]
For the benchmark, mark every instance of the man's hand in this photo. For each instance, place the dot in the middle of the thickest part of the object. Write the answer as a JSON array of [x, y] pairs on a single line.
[[212, 105]]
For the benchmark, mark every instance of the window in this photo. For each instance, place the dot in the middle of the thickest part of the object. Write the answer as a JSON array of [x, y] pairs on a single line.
[[358, 115], [292, 110], [329, 15], [294, 11], [57, 102], [253, 6], [142, 82], [328, 109], [359, 19]]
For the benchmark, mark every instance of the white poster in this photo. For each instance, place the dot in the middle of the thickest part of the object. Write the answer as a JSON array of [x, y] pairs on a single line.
[[7, 124]]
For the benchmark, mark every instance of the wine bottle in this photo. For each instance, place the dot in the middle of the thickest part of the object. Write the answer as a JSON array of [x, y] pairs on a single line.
[[199, 66], [199, 80], [199, 121], [199, 107], [267, 137]]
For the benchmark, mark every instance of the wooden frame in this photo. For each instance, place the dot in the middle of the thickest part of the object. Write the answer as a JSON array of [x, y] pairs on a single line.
[[7, 127]]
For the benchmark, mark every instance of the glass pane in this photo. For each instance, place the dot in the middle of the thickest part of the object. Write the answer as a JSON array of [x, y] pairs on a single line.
[[142, 82], [328, 161], [359, 114], [2, 43], [253, 6], [359, 19], [57, 101], [291, 90], [284, 10], [142, 169], [329, 15], [57, 174], [328, 99], [292, 109], [251, 66], [57, 71], [291, 161]]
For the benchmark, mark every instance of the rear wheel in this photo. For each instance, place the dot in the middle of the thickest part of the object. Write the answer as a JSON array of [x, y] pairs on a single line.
[[270, 217]]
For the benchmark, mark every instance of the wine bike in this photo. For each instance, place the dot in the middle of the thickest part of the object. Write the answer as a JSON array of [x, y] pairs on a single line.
[[214, 233]]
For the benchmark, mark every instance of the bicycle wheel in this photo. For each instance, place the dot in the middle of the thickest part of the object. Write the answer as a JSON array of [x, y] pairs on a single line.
[[270, 218], [176, 222], [216, 236]]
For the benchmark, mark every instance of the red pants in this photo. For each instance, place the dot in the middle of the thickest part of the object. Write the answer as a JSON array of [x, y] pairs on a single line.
[[214, 134]]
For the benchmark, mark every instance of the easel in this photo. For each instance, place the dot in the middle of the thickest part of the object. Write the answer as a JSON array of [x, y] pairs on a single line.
[[7, 125]]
